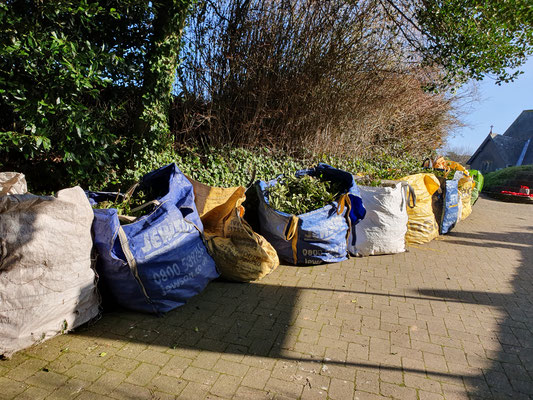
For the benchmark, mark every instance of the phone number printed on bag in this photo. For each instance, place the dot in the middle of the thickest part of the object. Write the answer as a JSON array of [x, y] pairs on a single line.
[[176, 276]]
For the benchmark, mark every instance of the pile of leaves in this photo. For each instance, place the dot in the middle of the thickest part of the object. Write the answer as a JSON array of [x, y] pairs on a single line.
[[441, 173], [299, 195], [368, 180], [130, 205]]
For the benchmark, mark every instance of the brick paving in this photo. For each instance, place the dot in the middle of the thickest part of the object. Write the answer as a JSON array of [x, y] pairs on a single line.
[[452, 319]]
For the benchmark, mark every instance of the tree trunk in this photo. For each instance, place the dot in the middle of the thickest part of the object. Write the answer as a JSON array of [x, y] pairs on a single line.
[[151, 129]]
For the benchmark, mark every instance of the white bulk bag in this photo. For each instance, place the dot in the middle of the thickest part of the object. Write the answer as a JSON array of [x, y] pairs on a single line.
[[47, 285], [384, 227], [12, 183]]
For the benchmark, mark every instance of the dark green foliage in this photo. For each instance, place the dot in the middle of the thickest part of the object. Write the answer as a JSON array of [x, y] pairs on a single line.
[[58, 62], [151, 129], [75, 76], [473, 39]]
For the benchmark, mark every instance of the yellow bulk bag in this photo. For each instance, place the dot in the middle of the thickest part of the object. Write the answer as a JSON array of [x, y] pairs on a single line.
[[446, 165], [239, 253], [439, 163], [422, 226], [456, 166], [465, 186]]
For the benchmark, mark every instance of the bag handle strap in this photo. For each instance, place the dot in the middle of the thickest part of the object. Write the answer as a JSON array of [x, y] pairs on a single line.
[[148, 203], [346, 203], [427, 163], [409, 194], [132, 263], [130, 191], [291, 234]]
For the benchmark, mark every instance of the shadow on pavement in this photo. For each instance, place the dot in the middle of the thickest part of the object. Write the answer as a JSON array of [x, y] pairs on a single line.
[[237, 319], [510, 373]]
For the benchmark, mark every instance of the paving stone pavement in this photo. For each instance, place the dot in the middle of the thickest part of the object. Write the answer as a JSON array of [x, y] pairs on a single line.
[[452, 319]]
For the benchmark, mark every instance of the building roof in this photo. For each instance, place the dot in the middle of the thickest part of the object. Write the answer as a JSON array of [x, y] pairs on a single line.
[[510, 148], [528, 158], [522, 127], [512, 142], [481, 146]]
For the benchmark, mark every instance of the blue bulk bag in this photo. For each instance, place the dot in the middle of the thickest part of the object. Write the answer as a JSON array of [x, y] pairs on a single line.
[[451, 212], [448, 203], [157, 262], [323, 235]]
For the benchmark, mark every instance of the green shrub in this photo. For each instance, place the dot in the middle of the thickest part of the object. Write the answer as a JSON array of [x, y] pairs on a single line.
[[85, 86], [59, 96], [512, 176]]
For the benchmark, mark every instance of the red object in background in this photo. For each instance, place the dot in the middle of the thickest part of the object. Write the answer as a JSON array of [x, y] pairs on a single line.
[[524, 192], [524, 189]]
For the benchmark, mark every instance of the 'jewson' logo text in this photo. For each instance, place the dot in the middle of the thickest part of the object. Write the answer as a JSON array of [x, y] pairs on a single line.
[[157, 239]]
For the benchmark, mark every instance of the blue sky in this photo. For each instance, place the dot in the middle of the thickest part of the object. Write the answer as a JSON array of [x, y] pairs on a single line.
[[498, 106]]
